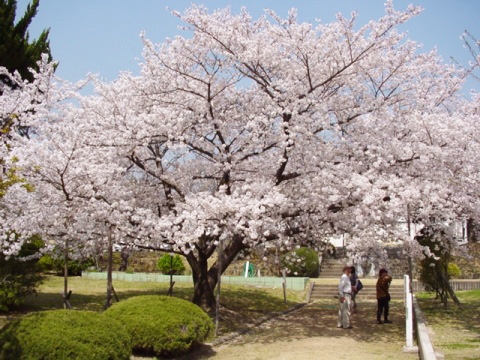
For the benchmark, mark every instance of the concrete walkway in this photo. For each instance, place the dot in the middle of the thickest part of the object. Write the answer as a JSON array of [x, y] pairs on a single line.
[[310, 332]]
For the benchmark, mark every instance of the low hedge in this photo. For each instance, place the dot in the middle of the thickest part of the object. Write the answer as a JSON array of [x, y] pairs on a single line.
[[162, 325], [65, 334]]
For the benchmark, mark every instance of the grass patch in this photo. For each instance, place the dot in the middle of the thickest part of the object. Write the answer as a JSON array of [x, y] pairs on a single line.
[[456, 330], [460, 346], [239, 304]]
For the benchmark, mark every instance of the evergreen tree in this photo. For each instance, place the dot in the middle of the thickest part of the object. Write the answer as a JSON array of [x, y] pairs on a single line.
[[17, 52]]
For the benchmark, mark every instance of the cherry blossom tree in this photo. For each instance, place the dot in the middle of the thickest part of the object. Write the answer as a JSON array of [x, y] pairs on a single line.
[[20, 101], [277, 124], [261, 133], [75, 204], [472, 44], [67, 199]]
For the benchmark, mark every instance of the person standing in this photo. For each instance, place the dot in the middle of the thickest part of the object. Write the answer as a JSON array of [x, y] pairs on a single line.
[[383, 296], [354, 283], [345, 299]]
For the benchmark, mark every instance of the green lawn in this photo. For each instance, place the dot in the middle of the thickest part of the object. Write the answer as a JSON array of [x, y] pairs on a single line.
[[239, 304], [455, 332]]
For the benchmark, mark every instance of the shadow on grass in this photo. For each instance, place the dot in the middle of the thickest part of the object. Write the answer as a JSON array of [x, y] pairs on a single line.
[[320, 320], [241, 307], [244, 308], [94, 302], [466, 316], [313, 321]]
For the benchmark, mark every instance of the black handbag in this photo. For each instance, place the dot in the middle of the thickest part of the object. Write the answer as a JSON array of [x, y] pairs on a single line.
[[359, 285]]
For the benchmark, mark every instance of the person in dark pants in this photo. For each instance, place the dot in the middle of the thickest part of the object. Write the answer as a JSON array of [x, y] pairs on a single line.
[[354, 282], [383, 296]]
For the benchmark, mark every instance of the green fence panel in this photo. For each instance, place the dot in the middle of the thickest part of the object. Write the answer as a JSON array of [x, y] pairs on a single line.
[[292, 283]]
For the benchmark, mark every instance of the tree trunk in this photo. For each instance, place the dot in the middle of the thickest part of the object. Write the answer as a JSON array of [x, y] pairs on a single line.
[[204, 284], [447, 289], [108, 301], [203, 296], [219, 281], [204, 279], [66, 304]]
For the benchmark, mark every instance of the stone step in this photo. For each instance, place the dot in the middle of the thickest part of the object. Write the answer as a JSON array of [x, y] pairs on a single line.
[[323, 291], [332, 268], [331, 273]]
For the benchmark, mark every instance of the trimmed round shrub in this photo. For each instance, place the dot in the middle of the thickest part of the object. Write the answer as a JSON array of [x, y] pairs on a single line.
[[162, 325], [65, 334]]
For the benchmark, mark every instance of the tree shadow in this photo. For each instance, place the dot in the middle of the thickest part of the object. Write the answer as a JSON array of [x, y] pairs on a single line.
[[320, 320], [95, 302]]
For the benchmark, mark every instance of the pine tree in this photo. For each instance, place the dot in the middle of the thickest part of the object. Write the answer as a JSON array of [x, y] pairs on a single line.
[[17, 53]]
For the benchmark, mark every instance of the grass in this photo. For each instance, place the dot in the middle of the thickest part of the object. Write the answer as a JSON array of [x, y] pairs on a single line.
[[239, 304], [455, 331]]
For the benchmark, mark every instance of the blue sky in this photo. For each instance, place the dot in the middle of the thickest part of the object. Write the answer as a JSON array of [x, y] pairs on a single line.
[[102, 36]]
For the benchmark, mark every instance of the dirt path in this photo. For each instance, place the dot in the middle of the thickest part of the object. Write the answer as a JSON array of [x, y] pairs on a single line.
[[310, 333]]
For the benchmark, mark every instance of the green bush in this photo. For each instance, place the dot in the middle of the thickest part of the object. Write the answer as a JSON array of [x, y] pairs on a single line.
[[302, 262], [65, 334], [14, 289], [469, 265], [454, 271], [162, 325], [18, 276], [49, 263], [171, 265]]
